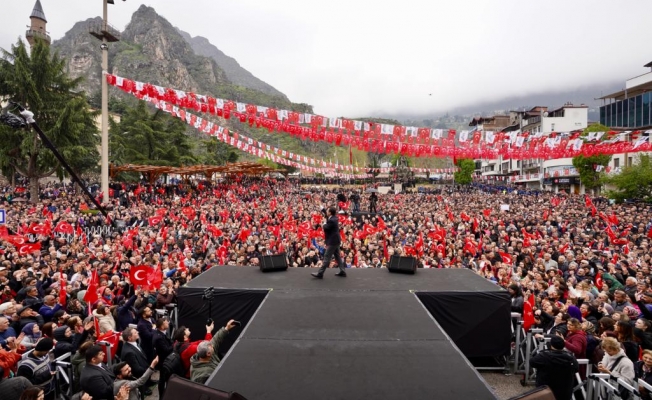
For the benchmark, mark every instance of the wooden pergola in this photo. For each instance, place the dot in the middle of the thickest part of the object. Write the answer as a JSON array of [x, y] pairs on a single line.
[[153, 172]]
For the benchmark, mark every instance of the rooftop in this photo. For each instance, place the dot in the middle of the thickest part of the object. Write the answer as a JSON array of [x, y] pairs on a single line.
[[37, 12]]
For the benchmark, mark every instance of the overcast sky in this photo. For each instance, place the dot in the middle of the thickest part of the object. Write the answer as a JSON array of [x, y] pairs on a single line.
[[368, 57]]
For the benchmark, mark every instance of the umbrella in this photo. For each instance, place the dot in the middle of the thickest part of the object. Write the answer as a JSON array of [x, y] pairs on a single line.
[[371, 190]]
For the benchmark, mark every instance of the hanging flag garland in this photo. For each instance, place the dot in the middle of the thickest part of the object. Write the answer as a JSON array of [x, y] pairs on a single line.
[[386, 138]]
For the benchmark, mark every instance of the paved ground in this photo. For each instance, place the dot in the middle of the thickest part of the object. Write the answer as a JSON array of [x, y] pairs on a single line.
[[505, 386]]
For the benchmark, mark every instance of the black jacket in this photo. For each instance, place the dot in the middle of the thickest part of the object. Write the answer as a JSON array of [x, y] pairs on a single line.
[[332, 231], [163, 345], [556, 368], [135, 358], [97, 382]]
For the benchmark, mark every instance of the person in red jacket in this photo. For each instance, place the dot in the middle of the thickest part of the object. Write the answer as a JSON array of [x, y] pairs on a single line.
[[576, 338], [185, 348]]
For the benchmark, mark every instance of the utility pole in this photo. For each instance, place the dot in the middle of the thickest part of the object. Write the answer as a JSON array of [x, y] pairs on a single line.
[[107, 34]]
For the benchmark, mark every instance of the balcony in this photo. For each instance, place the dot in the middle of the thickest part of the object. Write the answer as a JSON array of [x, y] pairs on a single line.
[[30, 33], [102, 30], [531, 164]]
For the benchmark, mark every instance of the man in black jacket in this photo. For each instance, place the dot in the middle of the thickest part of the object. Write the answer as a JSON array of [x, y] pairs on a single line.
[[95, 379], [134, 355], [162, 343], [332, 240], [556, 369]]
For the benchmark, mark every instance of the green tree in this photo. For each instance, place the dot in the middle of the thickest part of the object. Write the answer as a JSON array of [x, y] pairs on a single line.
[[586, 166], [150, 138], [465, 175], [36, 79], [634, 182]]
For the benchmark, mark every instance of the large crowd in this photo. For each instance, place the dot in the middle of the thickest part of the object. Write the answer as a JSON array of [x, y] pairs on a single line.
[[575, 266]]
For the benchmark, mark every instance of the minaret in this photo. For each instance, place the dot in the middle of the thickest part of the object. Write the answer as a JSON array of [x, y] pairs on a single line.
[[37, 27]]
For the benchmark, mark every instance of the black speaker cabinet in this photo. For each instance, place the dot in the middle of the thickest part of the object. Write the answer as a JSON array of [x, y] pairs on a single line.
[[406, 265], [276, 262], [180, 388]]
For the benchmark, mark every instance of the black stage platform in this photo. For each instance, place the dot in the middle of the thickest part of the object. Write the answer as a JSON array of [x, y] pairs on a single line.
[[363, 336]]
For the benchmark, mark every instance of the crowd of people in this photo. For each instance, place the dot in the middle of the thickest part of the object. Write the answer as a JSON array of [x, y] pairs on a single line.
[[581, 265]]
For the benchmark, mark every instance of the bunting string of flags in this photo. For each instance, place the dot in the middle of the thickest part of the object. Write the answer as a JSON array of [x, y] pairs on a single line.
[[386, 138], [272, 153]]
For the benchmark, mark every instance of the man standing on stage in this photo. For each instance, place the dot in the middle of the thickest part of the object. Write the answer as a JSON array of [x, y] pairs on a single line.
[[332, 240]]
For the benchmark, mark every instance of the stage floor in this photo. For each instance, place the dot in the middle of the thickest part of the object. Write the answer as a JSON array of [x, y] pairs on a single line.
[[363, 336], [373, 279]]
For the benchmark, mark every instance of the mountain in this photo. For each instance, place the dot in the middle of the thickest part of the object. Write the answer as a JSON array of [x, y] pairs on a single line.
[[234, 72], [459, 117], [152, 50]]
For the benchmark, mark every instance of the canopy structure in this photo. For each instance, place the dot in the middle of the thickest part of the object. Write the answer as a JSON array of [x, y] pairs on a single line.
[[153, 172]]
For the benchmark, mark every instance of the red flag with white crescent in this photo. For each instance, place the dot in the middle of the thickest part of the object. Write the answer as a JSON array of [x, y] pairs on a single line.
[[138, 275]]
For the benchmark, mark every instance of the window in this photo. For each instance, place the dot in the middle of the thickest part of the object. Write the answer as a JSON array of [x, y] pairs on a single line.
[[647, 98], [631, 112], [629, 161], [603, 115], [616, 162], [639, 112]]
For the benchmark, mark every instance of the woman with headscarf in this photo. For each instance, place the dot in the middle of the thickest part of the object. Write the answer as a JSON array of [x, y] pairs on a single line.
[[32, 335], [575, 312], [69, 341], [592, 342]]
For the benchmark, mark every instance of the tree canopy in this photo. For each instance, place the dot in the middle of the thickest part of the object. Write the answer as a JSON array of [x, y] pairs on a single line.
[[634, 182], [465, 175], [36, 79]]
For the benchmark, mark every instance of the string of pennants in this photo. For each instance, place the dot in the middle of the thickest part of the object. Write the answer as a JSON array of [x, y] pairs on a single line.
[[272, 153], [387, 138]]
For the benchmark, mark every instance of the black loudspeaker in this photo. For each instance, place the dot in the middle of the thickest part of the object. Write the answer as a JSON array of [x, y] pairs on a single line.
[[406, 265], [180, 388], [276, 262]]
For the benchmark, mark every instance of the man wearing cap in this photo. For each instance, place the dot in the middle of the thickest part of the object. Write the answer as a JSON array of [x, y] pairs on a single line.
[[26, 316], [556, 369], [6, 331], [36, 367]]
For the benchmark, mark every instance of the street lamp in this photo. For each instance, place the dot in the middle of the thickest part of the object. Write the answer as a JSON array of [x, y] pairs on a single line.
[[107, 34]]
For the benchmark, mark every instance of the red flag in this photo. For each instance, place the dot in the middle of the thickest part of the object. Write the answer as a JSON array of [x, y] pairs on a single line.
[[112, 338], [486, 212], [65, 228], [154, 279], [153, 221], [28, 248], [385, 252], [545, 215], [91, 293], [649, 233], [587, 201], [63, 295], [214, 230], [37, 229], [138, 275], [381, 224], [182, 266], [4, 232], [418, 245], [507, 259], [598, 280], [528, 314]]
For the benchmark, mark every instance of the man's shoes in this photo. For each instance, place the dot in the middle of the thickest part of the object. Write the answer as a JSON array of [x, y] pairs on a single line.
[[342, 274], [317, 275]]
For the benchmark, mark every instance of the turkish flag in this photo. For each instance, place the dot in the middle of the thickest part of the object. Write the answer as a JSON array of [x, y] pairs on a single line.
[[91, 295], [189, 212], [381, 224], [63, 295], [4, 232], [37, 229], [138, 275], [65, 228], [598, 280], [507, 259], [486, 212], [214, 230], [112, 338], [28, 248], [153, 221], [528, 316]]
